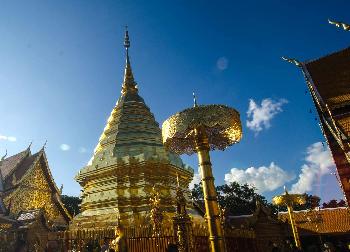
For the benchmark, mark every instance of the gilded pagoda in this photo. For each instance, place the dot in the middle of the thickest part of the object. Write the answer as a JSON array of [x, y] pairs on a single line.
[[129, 162]]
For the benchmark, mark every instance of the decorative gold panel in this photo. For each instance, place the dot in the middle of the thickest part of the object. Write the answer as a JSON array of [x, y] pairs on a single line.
[[33, 193]]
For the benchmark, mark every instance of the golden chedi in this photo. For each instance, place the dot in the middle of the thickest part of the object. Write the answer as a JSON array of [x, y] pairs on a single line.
[[128, 161]]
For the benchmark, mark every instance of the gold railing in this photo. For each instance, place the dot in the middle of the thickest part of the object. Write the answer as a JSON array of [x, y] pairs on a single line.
[[142, 239]]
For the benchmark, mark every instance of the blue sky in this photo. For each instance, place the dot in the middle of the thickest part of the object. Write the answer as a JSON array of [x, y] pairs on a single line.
[[61, 67]]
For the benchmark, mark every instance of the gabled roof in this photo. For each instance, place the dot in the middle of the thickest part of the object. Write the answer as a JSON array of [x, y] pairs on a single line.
[[9, 164], [328, 79], [252, 219], [20, 170], [331, 76], [22, 166], [325, 221]]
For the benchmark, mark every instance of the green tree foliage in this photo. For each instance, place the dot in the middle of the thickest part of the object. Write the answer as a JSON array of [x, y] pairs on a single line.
[[235, 198], [334, 203], [239, 199], [71, 203]]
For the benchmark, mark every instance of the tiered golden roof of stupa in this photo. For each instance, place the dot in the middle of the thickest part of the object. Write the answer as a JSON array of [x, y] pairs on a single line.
[[128, 161]]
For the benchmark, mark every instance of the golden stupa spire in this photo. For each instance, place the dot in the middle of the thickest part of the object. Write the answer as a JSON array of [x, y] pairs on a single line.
[[129, 83], [194, 100]]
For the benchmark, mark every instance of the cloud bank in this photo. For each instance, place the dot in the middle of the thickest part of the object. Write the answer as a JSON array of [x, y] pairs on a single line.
[[318, 163], [263, 178], [259, 116], [8, 138]]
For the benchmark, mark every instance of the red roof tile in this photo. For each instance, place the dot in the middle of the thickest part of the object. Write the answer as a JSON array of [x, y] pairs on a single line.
[[325, 221]]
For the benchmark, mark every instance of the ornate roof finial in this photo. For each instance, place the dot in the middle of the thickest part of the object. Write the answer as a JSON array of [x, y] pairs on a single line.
[[194, 100], [3, 157], [129, 83], [44, 146], [345, 26], [292, 61]]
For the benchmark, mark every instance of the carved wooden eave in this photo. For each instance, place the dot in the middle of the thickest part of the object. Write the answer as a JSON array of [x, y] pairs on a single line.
[[55, 190], [328, 80]]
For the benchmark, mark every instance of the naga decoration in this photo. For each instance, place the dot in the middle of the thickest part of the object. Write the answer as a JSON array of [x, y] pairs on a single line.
[[289, 200], [156, 213], [338, 24], [201, 129]]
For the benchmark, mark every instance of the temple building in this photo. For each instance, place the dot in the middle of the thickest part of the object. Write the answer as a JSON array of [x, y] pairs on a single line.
[[328, 79], [30, 202], [321, 225], [128, 164]]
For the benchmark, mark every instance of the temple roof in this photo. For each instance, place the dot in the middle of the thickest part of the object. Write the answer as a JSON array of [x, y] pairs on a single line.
[[17, 166], [328, 79], [331, 76], [325, 221], [9, 164], [131, 131]]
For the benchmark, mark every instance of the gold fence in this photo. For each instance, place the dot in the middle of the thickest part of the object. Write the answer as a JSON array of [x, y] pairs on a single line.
[[141, 239]]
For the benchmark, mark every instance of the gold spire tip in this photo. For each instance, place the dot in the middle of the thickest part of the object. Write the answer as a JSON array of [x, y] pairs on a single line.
[[126, 38], [194, 100]]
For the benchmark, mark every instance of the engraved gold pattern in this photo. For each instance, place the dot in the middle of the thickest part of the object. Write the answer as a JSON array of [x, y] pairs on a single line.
[[222, 125]]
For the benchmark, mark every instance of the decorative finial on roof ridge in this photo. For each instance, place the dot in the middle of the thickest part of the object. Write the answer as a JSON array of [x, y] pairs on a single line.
[[129, 83], [3, 157], [339, 24], [44, 146], [194, 100], [292, 61], [30, 145]]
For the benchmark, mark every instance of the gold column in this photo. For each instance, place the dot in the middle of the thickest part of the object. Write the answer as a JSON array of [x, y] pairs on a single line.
[[288, 200], [294, 228], [216, 237]]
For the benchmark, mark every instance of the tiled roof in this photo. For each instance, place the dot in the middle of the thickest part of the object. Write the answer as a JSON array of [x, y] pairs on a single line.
[[7, 165], [21, 169], [331, 76], [325, 221]]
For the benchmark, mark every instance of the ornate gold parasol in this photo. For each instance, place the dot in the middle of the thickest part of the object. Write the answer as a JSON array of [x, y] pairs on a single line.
[[289, 200], [201, 129]]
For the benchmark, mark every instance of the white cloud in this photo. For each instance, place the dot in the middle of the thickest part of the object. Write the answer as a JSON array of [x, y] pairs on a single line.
[[8, 138], [196, 180], [259, 117], [222, 63], [82, 150], [262, 178], [65, 147], [318, 163]]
